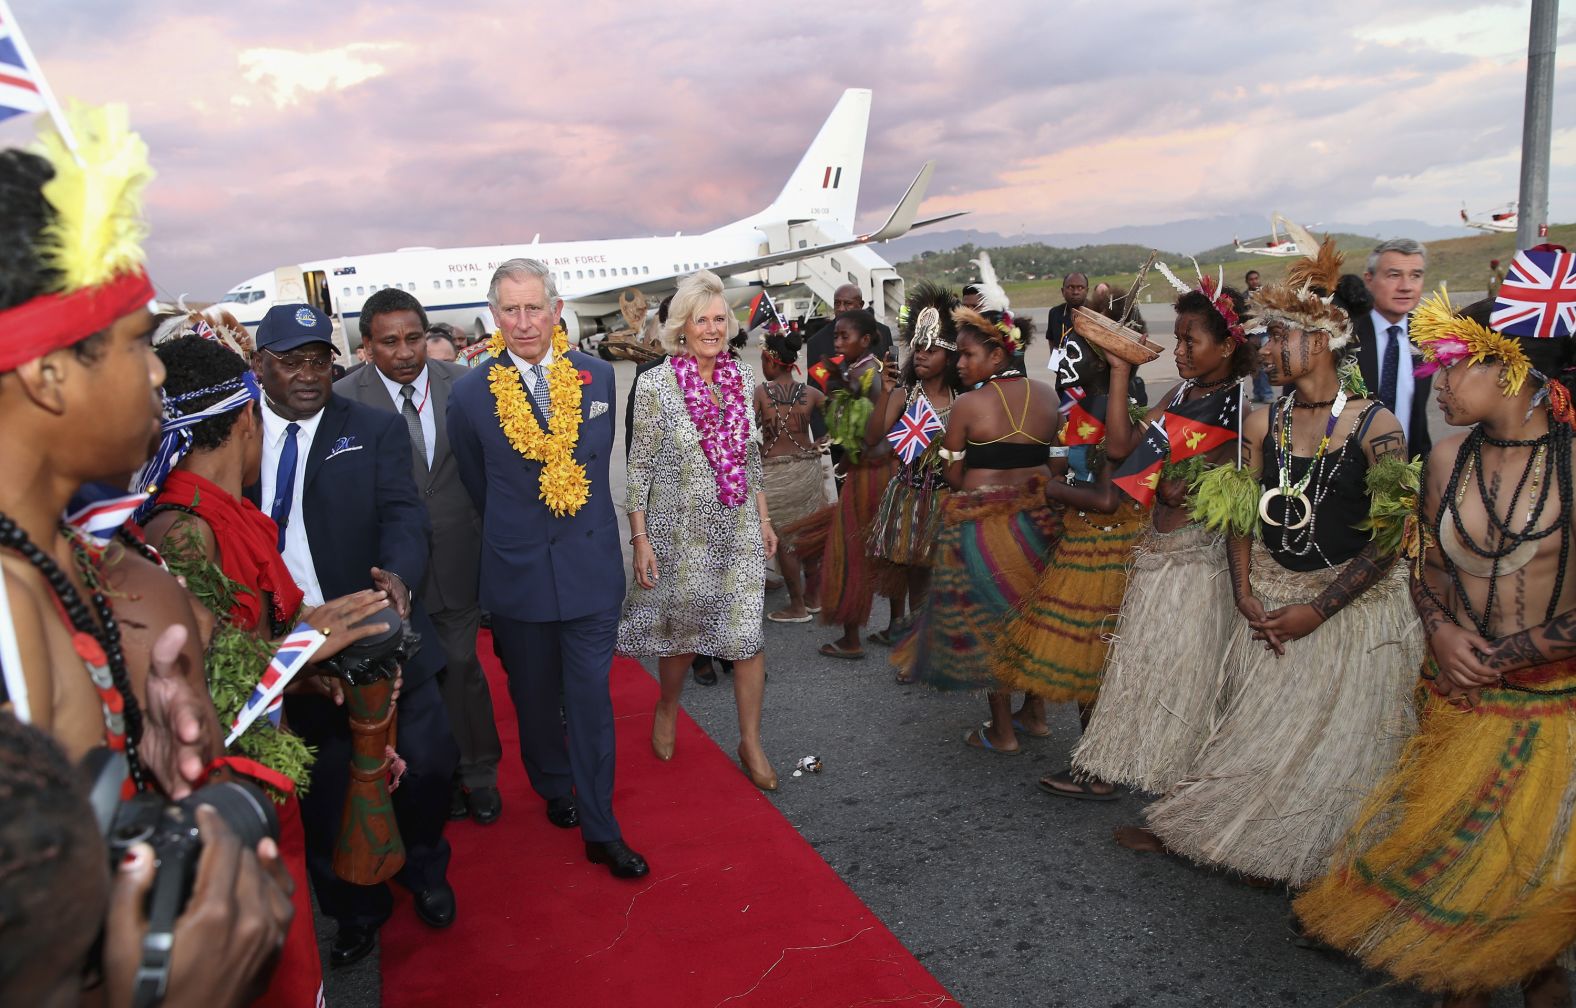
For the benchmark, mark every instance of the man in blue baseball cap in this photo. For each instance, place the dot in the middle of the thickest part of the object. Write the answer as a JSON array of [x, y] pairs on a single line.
[[336, 479]]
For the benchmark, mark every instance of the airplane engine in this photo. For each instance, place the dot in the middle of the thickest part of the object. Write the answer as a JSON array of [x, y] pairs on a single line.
[[573, 325]]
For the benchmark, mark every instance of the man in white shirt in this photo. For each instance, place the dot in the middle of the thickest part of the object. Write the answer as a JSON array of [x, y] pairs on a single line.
[[1394, 277], [404, 378]]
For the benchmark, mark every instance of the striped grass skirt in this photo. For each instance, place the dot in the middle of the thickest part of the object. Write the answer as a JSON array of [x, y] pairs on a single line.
[[989, 555], [1304, 739], [1460, 875], [1056, 642], [848, 578], [1163, 681]]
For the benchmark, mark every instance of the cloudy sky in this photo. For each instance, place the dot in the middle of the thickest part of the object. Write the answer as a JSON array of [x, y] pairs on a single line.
[[295, 130]]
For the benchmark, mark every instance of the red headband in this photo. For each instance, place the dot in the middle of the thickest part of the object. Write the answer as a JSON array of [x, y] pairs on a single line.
[[52, 322]]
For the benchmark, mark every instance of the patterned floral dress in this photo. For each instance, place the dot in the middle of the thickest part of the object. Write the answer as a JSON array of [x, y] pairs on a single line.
[[712, 564]]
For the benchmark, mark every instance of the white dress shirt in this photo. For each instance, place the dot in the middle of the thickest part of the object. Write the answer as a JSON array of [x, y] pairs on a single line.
[[297, 551], [423, 402], [1404, 382], [525, 369]]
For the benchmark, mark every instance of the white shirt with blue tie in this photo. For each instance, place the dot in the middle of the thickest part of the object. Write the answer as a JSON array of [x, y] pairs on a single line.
[[297, 551], [1404, 382]]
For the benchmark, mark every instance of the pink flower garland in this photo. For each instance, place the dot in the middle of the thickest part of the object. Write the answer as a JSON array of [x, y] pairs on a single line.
[[724, 431]]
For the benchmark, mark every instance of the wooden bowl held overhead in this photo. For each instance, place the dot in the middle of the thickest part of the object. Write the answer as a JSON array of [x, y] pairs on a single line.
[[1128, 344]]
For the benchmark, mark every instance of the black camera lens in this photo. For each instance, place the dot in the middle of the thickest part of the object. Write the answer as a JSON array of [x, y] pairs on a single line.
[[243, 807]]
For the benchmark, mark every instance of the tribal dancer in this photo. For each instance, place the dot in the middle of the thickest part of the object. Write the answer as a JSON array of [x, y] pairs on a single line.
[[848, 582], [1317, 714], [903, 538], [996, 526], [1161, 684], [1054, 645], [791, 466], [1460, 876]]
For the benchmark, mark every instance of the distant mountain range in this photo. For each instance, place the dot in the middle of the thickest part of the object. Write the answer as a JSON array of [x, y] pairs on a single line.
[[1186, 236]]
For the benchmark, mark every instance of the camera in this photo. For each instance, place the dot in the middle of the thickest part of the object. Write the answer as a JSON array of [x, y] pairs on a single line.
[[170, 828]]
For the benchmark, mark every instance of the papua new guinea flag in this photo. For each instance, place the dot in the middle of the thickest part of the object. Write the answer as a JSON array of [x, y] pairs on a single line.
[[1203, 425], [1139, 473], [1085, 420]]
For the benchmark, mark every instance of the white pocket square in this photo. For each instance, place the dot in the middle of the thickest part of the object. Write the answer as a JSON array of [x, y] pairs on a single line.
[[597, 409], [343, 451]]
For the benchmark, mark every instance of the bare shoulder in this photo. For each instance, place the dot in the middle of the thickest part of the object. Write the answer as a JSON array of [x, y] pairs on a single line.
[[1257, 423]]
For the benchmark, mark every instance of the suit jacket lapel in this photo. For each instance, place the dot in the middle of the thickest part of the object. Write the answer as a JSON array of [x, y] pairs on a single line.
[[438, 402], [328, 431]]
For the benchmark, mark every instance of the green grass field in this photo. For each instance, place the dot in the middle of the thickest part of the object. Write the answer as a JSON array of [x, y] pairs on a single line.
[[1461, 263]]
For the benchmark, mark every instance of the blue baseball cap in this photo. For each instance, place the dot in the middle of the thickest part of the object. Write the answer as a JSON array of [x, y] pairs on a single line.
[[287, 326]]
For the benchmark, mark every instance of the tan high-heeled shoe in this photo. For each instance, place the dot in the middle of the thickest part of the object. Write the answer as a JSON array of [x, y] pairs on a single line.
[[766, 782]]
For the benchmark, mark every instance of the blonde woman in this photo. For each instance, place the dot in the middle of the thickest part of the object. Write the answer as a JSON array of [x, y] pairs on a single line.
[[698, 519]]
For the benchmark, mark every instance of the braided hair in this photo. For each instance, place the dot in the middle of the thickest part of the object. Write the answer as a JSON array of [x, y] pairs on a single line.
[[192, 363], [1244, 356]]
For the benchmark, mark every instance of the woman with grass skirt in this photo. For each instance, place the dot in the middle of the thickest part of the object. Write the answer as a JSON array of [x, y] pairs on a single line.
[[903, 539], [996, 526]]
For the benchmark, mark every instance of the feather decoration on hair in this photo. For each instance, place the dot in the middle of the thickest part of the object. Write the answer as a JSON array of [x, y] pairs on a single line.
[[98, 229], [1172, 278], [1320, 271], [992, 296]]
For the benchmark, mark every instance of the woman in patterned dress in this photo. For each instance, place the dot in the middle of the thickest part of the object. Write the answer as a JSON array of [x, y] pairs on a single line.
[[698, 519]]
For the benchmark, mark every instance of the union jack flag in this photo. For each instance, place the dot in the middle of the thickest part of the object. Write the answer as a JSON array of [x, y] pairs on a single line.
[[99, 520], [914, 430], [21, 86], [294, 653], [1537, 299]]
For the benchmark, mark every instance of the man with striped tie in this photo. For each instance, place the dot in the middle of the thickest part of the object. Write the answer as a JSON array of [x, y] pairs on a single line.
[[1384, 350]]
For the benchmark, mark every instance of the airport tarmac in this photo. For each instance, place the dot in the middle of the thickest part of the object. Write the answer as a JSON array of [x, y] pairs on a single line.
[[1009, 896]]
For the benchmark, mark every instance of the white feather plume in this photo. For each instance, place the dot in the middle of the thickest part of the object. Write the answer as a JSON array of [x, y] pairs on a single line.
[[992, 296], [1172, 278]]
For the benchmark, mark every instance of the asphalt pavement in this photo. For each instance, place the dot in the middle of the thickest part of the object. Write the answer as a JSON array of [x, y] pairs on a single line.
[[1009, 896]]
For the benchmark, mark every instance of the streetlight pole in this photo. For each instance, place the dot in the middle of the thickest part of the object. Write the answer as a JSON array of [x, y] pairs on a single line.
[[1532, 213]]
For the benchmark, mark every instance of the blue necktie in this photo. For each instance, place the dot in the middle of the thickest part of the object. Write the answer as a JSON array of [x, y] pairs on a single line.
[[539, 391], [1388, 369], [284, 483]]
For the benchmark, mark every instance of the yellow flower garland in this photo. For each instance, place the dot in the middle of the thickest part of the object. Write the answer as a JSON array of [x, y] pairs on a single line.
[[563, 484]]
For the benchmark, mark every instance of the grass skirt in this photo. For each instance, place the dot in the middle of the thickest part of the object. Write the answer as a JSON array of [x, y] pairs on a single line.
[[990, 553], [1163, 678], [1461, 874], [1055, 644], [848, 578], [795, 489], [1304, 739], [909, 519]]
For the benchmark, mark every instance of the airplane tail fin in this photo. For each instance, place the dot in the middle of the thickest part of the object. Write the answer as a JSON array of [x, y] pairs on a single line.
[[825, 186]]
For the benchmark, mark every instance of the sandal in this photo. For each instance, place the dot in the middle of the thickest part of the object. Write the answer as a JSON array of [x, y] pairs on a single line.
[[1079, 788], [975, 738], [882, 637], [833, 651], [778, 617], [1018, 727]]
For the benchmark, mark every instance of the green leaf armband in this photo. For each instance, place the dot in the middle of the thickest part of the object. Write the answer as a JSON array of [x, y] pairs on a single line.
[[1393, 488]]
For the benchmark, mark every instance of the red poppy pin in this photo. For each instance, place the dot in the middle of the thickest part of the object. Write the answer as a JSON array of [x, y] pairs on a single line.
[[585, 377]]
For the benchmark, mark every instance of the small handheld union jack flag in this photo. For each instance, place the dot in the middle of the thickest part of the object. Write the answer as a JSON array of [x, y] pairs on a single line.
[[99, 520], [1537, 299], [293, 655], [914, 430]]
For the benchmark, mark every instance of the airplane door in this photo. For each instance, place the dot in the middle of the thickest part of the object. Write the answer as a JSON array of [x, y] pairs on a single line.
[[288, 285], [318, 294]]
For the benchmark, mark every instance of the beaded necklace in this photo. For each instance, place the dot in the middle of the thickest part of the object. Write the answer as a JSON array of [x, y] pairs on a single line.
[[1299, 491], [96, 643]]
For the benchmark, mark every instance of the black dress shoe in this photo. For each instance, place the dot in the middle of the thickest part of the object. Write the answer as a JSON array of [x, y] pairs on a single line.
[[435, 906], [352, 944], [620, 860], [701, 668], [561, 812], [459, 804], [485, 805]]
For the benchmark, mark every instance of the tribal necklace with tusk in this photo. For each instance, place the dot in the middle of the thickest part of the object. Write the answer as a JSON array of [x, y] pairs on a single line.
[[1284, 486]]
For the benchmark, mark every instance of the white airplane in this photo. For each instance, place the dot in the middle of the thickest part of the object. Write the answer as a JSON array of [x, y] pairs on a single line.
[[805, 238], [1285, 239], [1501, 221]]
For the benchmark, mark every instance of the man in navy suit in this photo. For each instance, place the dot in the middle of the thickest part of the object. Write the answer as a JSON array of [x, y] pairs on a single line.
[[554, 584], [1394, 276], [337, 481]]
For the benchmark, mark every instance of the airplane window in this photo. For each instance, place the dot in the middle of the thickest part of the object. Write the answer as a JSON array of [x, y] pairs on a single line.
[[675, 267], [580, 274], [473, 281], [437, 285], [646, 270], [346, 292], [359, 290], [449, 284], [411, 286], [604, 272]]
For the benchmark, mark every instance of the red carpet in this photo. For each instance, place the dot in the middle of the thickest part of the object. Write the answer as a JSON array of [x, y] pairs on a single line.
[[738, 909]]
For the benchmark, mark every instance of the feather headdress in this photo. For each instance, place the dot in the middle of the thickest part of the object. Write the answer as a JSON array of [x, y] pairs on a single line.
[[1303, 299], [1213, 288], [1008, 330], [94, 242], [927, 317]]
